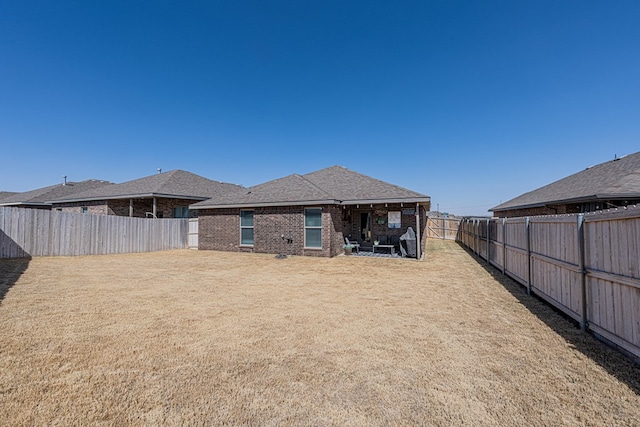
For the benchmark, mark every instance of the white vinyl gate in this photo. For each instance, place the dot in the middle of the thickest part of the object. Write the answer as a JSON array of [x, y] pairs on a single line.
[[193, 233]]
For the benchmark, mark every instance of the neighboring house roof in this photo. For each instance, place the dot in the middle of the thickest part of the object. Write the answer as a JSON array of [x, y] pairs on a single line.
[[615, 179], [41, 196], [4, 194], [333, 185], [176, 184]]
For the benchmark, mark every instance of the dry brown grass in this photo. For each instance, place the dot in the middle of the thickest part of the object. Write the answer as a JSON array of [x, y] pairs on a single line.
[[211, 338]]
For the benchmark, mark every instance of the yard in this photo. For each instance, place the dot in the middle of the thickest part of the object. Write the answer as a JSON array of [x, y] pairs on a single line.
[[211, 338]]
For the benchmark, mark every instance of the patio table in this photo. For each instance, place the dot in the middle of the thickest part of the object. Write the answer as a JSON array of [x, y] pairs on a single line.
[[391, 248]]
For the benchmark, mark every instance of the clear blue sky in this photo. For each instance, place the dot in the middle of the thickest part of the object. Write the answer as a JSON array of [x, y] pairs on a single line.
[[469, 102]]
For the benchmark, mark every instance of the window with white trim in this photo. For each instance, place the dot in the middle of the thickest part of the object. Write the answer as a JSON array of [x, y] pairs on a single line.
[[246, 228], [313, 228]]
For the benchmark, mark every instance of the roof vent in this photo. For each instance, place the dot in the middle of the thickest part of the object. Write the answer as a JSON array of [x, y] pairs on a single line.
[[64, 180], [159, 170]]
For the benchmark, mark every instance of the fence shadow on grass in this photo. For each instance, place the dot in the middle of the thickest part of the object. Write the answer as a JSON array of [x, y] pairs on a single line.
[[11, 268], [10, 271], [617, 364]]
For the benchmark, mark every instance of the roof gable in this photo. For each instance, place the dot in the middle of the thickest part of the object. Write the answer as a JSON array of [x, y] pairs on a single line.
[[619, 178]]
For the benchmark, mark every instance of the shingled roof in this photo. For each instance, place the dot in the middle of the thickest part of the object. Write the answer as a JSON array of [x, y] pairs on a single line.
[[613, 180], [333, 185], [5, 194], [41, 196], [177, 184]]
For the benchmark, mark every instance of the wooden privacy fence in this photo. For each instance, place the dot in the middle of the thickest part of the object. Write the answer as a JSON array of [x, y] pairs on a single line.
[[586, 265], [39, 232], [442, 228]]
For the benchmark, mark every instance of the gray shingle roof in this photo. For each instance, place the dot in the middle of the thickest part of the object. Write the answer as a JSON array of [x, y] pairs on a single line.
[[335, 184], [173, 184], [615, 179], [41, 196], [5, 194]]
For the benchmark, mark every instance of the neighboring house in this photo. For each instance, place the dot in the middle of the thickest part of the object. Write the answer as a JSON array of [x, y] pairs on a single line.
[[611, 184], [162, 195], [310, 214], [39, 198]]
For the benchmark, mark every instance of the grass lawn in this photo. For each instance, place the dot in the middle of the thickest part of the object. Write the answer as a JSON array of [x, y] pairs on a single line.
[[215, 338]]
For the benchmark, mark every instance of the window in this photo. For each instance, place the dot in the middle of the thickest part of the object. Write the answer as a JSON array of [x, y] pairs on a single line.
[[246, 228], [181, 212], [85, 209], [313, 228]]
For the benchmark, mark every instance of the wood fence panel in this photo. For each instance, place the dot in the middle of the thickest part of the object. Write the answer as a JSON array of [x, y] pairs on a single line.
[[496, 236], [516, 257], [612, 262], [555, 269], [39, 232]]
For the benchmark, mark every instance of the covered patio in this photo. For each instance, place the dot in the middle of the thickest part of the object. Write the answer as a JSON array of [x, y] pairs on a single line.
[[377, 229]]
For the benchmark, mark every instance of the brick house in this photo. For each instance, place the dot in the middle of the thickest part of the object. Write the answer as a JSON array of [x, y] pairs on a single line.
[[310, 214], [40, 197], [162, 195], [611, 184]]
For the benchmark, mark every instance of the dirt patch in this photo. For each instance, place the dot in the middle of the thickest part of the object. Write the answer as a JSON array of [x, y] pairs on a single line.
[[200, 337]]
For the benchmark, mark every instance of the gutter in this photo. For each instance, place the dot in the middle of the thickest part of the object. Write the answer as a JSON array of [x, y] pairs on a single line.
[[311, 202]]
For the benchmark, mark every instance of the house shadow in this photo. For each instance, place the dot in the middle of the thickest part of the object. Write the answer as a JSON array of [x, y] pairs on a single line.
[[11, 268], [625, 368]]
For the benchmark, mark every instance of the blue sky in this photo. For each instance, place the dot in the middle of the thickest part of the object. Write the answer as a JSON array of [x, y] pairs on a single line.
[[469, 102]]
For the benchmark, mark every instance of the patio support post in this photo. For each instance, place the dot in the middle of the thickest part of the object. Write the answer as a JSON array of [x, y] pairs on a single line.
[[155, 207], [130, 207]]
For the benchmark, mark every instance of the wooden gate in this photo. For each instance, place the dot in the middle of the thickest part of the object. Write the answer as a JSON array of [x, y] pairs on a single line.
[[442, 228]]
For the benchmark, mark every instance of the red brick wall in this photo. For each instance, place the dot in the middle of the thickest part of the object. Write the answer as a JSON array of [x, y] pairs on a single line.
[[219, 229], [276, 230], [120, 207]]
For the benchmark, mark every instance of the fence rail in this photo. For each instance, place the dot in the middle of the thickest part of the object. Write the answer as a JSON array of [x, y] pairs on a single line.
[[39, 232], [586, 265]]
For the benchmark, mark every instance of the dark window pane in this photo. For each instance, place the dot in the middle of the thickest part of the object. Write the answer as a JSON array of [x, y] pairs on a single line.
[[246, 236], [313, 237], [246, 218], [313, 217]]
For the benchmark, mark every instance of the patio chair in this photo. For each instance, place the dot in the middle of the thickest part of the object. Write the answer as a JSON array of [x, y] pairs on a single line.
[[354, 244]]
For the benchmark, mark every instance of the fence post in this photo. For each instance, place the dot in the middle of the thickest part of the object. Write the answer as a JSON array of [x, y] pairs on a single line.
[[477, 237], [504, 245], [583, 273], [527, 226], [444, 230]]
